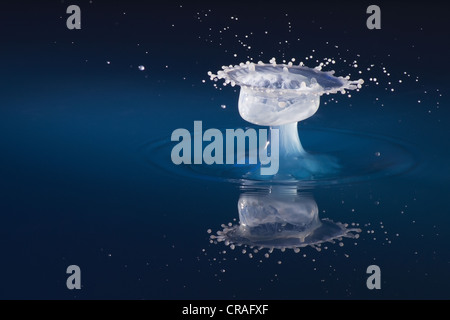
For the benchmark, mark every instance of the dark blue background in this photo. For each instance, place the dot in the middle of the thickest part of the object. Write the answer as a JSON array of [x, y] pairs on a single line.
[[75, 189]]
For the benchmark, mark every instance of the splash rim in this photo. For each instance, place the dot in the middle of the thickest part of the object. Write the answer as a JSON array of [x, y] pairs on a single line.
[[314, 89]]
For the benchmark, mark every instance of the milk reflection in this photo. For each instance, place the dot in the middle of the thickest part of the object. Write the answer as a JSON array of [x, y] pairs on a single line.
[[281, 217]]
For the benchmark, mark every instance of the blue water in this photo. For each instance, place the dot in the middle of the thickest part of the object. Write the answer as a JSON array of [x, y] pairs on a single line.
[[77, 188]]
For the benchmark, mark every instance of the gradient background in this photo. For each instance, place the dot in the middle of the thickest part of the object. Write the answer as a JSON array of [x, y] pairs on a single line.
[[75, 189]]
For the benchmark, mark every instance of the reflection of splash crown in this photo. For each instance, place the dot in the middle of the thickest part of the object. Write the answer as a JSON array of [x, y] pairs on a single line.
[[281, 95], [282, 220]]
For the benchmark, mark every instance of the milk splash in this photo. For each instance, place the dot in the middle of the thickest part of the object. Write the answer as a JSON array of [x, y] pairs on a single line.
[[280, 96]]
